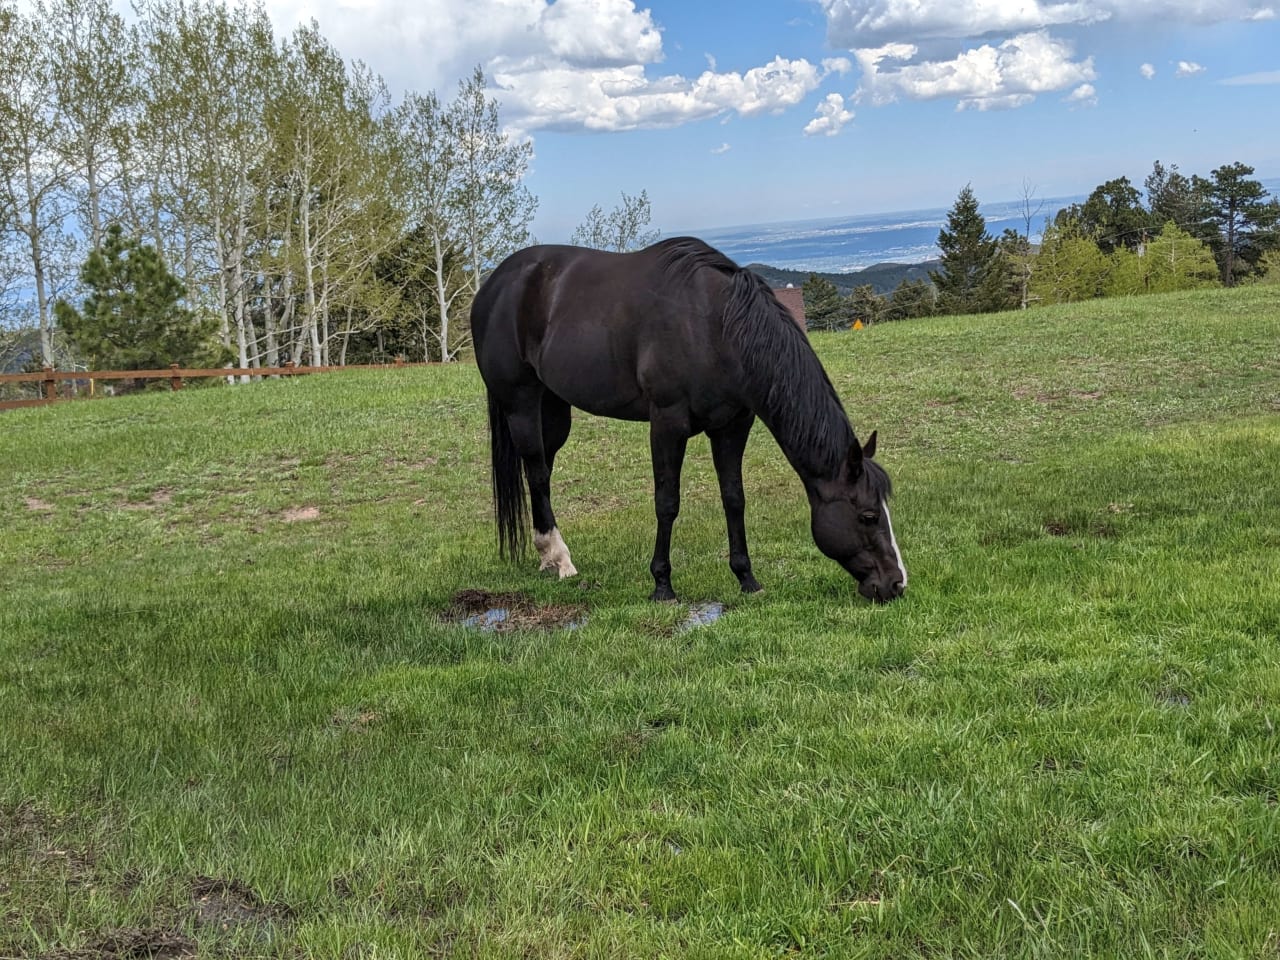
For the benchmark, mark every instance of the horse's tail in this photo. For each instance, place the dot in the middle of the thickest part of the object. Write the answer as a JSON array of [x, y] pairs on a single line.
[[508, 485]]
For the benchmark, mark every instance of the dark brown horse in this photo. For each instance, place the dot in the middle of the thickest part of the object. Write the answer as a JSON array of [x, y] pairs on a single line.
[[680, 336]]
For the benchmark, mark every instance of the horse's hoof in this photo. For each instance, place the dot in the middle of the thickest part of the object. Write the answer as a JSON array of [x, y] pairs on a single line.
[[750, 586], [663, 595]]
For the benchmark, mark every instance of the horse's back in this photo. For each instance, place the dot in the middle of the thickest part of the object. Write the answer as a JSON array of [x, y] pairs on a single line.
[[611, 333]]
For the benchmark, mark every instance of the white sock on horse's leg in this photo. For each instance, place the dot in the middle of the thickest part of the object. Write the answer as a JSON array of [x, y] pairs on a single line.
[[553, 553]]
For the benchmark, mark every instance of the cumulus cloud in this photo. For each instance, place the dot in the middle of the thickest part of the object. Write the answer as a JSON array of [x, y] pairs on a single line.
[[1188, 68], [988, 77], [831, 118], [596, 33], [1083, 96], [542, 95], [1011, 56], [854, 24], [723, 148]]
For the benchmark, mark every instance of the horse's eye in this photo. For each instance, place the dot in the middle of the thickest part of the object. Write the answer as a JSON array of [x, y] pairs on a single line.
[[869, 517]]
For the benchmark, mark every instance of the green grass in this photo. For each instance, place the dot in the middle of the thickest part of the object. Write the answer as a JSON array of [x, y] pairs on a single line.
[[222, 656]]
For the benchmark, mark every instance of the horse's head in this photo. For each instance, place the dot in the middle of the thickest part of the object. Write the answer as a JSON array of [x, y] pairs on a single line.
[[850, 522]]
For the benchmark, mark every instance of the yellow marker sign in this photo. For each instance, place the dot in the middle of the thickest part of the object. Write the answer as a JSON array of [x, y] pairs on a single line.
[[857, 324]]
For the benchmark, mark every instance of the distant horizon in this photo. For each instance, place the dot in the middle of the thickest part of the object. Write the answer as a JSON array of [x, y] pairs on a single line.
[[756, 236]]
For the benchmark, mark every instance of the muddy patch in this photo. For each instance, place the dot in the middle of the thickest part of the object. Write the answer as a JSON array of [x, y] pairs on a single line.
[[129, 943], [229, 905], [503, 612]]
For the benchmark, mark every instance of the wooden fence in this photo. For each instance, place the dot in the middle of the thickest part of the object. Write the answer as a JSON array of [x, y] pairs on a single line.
[[49, 377]]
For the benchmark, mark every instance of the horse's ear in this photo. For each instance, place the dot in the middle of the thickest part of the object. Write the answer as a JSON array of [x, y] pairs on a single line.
[[854, 462], [869, 448]]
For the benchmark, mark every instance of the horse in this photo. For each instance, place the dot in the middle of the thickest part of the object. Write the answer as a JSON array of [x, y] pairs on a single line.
[[678, 335]]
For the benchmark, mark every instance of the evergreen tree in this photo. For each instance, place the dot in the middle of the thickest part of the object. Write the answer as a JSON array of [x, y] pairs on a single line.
[[1245, 218], [1173, 198], [1113, 216], [132, 318], [967, 251], [866, 305], [911, 298], [824, 308], [1002, 285]]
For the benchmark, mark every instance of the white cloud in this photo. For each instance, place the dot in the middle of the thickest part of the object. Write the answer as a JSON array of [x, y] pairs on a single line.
[[1188, 68], [545, 95], [1082, 96], [854, 24], [595, 33], [723, 148], [1253, 79], [831, 118], [1008, 101], [988, 77], [1147, 71]]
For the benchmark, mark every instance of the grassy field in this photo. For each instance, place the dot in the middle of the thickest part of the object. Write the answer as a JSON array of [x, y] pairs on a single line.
[[235, 721]]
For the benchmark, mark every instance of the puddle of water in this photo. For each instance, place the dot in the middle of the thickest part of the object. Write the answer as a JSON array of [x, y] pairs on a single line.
[[501, 618], [702, 614], [490, 619]]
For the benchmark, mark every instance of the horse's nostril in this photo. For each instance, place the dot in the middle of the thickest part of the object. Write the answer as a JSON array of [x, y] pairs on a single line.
[[897, 588]]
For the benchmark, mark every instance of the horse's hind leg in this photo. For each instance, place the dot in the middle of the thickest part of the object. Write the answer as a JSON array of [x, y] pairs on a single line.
[[530, 432], [557, 418], [727, 445]]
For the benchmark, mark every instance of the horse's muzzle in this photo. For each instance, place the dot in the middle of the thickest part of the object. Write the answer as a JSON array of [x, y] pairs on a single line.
[[881, 591]]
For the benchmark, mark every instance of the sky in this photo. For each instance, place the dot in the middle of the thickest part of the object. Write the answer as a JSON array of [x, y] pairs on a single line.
[[755, 112]]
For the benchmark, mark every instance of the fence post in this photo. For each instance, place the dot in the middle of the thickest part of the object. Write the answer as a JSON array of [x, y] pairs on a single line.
[[50, 384], [400, 360], [175, 381], [288, 367]]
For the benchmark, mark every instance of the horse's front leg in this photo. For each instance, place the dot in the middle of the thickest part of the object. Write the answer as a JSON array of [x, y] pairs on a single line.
[[668, 436], [727, 445]]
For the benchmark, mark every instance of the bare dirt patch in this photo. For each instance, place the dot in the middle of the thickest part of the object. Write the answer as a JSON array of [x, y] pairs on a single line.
[[227, 905], [300, 514], [502, 612], [129, 943], [36, 505]]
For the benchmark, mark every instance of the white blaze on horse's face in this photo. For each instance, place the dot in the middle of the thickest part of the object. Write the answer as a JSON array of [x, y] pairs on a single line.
[[553, 553], [894, 540]]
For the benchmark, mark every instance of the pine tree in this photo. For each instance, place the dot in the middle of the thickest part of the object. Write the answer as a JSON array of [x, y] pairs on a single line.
[[132, 318], [866, 305], [911, 298], [967, 252], [1247, 221], [824, 308]]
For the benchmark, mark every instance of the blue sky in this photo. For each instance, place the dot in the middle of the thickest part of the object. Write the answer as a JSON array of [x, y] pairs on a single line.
[[756, 111]]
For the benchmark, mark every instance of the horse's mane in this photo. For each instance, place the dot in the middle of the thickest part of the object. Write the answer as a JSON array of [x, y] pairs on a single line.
[[789, 388]]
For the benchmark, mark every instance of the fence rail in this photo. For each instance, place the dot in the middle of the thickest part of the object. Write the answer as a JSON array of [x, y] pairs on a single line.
[[49, 377]]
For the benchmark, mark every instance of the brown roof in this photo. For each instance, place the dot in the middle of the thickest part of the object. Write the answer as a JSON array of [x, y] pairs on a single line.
[[793, 299]]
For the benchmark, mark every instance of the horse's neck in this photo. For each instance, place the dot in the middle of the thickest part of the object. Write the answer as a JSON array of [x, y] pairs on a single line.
[[815, 438]]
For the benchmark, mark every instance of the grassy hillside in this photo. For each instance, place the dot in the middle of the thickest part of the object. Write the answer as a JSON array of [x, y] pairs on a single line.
[[236, 721]]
